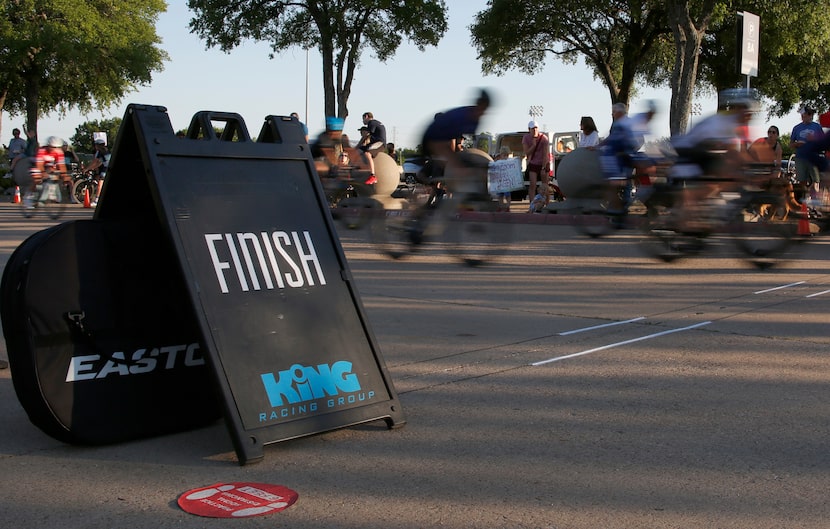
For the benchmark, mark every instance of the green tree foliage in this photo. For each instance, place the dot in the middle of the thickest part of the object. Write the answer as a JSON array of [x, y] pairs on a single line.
[[794, 58], [82, 140], [84, 54], [688, 45], [340, 29], [613, 37]]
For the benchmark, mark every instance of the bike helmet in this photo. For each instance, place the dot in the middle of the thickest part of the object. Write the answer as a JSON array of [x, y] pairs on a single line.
[[747, 98], [54, 141]]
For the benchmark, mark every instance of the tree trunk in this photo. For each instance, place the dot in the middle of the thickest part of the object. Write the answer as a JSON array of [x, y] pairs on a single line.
[[329, 100], [688, 35], [32, 103], [2, 104]]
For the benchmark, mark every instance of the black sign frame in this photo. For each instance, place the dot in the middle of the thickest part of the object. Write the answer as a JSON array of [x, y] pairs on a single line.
[[285, 332]]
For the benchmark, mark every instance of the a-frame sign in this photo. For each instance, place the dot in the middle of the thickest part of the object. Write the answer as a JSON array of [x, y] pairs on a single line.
[[280, 317]]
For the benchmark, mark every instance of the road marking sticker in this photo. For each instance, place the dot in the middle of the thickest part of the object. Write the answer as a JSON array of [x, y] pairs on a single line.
[[601, 326], [818, 294], [779, 288], [626, 342]]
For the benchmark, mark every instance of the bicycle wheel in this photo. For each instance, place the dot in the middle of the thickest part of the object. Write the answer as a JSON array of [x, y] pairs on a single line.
[[51, 199], [474, 233], [594, 220], [662, 238], [396, 233], [80, 187], [762, 239]]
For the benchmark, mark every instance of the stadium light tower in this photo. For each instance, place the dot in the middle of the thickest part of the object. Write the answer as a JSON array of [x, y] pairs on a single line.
[[536, 111]]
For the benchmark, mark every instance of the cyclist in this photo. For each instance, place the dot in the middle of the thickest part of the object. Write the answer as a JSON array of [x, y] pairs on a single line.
[[616, 161], [440, 146], [99, 165], [49, 159], [713, 151]]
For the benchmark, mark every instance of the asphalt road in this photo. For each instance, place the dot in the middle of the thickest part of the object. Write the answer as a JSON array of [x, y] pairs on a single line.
[[573, 384]]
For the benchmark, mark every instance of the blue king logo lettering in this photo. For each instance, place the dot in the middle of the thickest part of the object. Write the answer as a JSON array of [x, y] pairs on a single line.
[[299, 383], [301, 390]]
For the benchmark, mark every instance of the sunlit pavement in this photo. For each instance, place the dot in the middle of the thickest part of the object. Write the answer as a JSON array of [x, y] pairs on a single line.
[[574, 383]]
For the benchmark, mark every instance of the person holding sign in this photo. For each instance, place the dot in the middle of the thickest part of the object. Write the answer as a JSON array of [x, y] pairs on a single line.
[[504, 197]]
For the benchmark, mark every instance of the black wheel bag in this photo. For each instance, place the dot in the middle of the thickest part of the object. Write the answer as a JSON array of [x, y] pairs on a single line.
[[102, 342]]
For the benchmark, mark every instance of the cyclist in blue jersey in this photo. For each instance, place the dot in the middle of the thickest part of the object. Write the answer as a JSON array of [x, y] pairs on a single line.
[[441, 138]]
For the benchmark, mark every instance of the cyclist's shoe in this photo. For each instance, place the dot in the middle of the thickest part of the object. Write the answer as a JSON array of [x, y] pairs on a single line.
[[415, 231], [372, 180]]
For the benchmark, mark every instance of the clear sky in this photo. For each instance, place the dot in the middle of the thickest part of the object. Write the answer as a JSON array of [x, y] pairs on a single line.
[[404, 93]]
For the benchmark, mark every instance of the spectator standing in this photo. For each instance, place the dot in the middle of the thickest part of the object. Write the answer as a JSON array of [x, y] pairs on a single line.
[[803, 134], [305, 127], [31, 144], [70, 156], [99, 165], [16, 149], [537, 153], [390, 150], [588, 137]]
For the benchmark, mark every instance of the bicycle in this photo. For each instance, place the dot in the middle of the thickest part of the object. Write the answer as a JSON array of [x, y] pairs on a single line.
[[48, 196], [86, 182], [447, 210], [677, 225], [601, 206]]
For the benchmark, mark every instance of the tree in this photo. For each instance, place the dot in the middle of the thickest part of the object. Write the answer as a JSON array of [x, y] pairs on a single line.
[[614, 37], [794, 58], [689, 20], [84, 54], [339, 29], [82, 140]]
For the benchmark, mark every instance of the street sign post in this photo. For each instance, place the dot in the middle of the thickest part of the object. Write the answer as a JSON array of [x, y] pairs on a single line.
[[749, 39]]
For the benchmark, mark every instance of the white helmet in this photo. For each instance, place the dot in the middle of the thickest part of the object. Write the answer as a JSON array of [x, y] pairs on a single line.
[[747, 98], [54, 141]]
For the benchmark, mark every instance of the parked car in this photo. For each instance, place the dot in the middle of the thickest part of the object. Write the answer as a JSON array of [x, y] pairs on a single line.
[[411, 166]]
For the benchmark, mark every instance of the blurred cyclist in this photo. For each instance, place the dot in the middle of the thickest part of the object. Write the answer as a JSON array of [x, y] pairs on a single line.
[[440, 144], [49, 159], [716, 144], [713, 151]]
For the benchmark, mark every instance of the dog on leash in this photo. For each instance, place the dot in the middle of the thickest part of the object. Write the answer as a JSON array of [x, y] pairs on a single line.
[[782, 209]]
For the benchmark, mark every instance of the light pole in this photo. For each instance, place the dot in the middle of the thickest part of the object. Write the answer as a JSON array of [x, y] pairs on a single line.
[[535, 111], [696, 111]]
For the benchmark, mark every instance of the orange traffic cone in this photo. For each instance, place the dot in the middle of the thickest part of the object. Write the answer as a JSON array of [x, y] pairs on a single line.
[[804, 221], [87, 203], [16, 199]]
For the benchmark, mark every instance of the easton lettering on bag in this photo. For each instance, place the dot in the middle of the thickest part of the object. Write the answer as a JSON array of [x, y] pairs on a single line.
[[107, 334]]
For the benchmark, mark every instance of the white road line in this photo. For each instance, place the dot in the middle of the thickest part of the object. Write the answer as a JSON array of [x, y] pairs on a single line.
[[818, 294], [779, 288], [601, 326], [609, 346]]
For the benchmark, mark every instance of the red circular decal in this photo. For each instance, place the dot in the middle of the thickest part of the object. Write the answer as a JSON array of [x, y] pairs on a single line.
[[237, 500]]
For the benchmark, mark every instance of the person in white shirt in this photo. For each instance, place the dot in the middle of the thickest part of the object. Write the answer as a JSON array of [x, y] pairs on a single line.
[[589, 137]]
